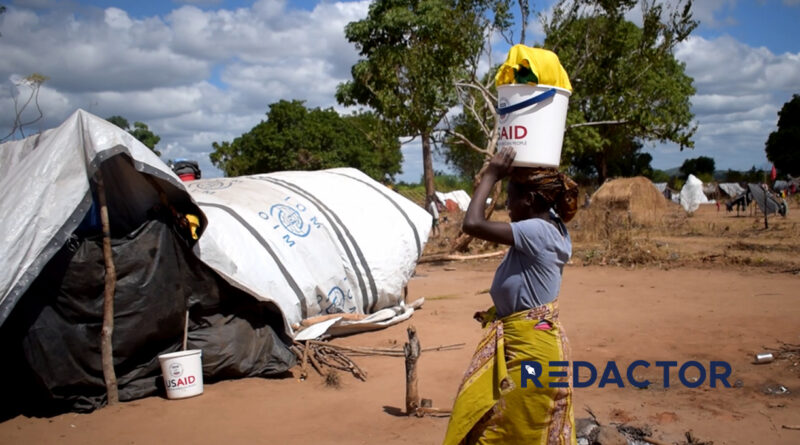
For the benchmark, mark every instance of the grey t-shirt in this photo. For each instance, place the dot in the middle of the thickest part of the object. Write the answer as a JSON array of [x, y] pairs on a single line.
[[530, 273]]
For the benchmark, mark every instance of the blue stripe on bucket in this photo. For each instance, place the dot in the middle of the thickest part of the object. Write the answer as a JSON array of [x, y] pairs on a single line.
[[527, 102]]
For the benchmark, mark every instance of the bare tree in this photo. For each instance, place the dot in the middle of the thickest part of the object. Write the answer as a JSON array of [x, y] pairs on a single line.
[[34, 83], [477, 97]]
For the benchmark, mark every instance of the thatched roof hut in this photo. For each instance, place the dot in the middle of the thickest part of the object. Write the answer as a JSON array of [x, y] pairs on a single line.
[[637, 196]]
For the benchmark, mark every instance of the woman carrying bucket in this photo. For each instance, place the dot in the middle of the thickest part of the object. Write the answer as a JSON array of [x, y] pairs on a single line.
[[492, 406], [497, 403]]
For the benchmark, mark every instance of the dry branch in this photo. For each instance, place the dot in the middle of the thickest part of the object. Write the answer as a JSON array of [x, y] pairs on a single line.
[[106, 349], [451, 257], [321, 355], [391, 352]]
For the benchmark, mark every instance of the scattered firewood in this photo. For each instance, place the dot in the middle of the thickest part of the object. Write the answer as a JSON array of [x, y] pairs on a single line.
[[691, 440], [433, 412], [321, 355], [393, 352]]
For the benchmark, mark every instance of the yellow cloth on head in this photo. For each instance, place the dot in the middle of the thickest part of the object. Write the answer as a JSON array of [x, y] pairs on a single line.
[[544, 64]]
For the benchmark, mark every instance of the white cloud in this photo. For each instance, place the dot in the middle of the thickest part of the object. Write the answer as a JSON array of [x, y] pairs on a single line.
[[727, 66], [197, 76], [739, 92], [159, 69], [714, 13]]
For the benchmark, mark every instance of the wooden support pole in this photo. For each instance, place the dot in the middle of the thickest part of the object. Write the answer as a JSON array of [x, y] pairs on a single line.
[[412, 351], [106, 348]]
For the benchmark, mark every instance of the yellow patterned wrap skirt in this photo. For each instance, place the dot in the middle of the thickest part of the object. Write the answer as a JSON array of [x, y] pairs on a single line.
[[492, 407]]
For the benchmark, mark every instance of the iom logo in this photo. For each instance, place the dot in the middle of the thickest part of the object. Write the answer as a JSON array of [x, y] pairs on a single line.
[[287, 218], [290, 219], [337, 301], [211, 186]]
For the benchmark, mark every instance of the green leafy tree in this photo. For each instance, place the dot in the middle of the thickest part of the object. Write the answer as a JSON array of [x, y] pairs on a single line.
[[750, 176], [783, 145], [119, 121], [658, 176], [411, 54], [140, 131], [296, 138], [627, 84], [700, 166]]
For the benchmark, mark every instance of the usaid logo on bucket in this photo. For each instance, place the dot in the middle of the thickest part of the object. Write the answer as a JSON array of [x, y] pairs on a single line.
[[501, 104], [510, 134], [175, 370], [183, 373]]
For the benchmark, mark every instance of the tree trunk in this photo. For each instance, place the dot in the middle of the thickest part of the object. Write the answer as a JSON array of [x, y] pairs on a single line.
[[106, 349], [412, 350], [427, 170]]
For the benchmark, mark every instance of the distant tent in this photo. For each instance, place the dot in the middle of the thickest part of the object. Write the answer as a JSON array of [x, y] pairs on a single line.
[[780, 185], [765, 200], [636, 195], [459, 197], [731, 189], [692, 194], [665, 190]]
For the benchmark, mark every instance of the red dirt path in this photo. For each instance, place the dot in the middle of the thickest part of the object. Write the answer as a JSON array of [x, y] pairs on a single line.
[[609, 314]]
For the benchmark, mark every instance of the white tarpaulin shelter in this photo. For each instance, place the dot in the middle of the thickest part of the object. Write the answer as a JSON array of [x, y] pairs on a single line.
[[460, 197], [326, 242], [692, 194], [313, 243], [46, 192]]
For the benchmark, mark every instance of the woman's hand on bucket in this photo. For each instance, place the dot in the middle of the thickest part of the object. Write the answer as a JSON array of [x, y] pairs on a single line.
[[500, 165]]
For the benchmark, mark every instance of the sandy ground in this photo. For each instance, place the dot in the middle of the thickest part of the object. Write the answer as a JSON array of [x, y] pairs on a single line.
[[610, 313]]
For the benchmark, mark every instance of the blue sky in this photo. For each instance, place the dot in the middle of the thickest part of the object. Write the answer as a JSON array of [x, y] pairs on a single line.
[[200, 71]]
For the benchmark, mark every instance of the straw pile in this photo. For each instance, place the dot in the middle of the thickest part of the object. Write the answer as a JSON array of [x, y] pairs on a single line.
[[637, 197]]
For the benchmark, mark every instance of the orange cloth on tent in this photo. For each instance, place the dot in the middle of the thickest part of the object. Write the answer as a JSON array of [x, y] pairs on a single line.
[[544, 65]]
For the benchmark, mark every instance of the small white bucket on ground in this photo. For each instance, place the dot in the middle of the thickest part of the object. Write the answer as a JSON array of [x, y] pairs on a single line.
[[183, 373], [532, 120]]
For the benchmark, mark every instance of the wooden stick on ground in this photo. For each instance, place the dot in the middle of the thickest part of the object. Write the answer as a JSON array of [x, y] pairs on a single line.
[[412, 351], [391, 352], [106, 349], [451, 257]]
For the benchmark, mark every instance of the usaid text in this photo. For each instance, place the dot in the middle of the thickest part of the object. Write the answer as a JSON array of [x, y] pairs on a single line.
[[513, 133]]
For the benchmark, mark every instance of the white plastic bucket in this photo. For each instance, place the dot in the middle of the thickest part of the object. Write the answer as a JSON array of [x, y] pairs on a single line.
[[183, 373], [532, 120]]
